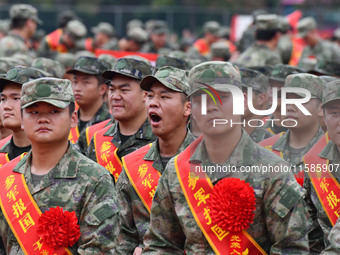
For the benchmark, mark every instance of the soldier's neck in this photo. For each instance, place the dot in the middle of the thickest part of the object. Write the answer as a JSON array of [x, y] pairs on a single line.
[[220, 147], [20, 139], [302, 137], [170, 143], [47, 156], [130, 126], [21, 32], [87, 112]]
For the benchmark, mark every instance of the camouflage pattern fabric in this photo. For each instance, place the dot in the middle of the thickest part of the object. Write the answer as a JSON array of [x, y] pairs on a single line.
[[142, 137], [259, 134], [13, 43], [285, 48], [258, 55], [75, 184], [280, 225], [134, 217], [51, 67]]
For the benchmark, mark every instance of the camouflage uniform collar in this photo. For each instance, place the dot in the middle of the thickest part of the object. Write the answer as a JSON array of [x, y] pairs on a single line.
[[260, 46], [330, 152], [144, 132], [7, 146], [282, 143], [66, 168], [241, 155], [154, 155], [16, 36]]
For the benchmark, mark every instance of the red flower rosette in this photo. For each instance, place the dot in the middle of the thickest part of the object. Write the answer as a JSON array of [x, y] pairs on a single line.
[[232, 204], [58, 228]]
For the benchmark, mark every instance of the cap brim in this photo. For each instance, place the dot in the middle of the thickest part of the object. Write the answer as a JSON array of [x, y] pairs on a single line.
[[110, 73], [333, 99], [57, 103], [296, 93], [149, 80], [39, 21], [214, 87], [73, 71]]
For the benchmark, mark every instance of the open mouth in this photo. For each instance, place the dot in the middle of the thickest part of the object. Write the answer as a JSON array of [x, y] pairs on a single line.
[[155, 118]]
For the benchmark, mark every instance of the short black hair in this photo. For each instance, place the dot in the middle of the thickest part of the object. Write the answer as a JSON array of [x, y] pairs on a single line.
[[18, 23], [265, 35], [71, 107]]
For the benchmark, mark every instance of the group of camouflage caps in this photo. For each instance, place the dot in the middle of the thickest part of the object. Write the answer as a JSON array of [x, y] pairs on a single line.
[[260, 64]]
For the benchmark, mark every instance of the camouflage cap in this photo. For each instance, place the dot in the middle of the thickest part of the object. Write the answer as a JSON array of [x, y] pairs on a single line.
[[171, 61], [134, 67], [57, 92], [173, 78], [327, 78], [265, 70], [337, 34], [212, 27], [105, 28], [220, 49], [6, 63], [25, 11], [111, 60], [160, 27], [84, 53], [329, 67], [285, 26], [137, 34], [134, 23], [312, 83], [20, 75], [268, 22], [254, 79], [305, 25], [214, 73], [50, 67], [89, 65], [76, 29], [307, 64], [280, 72], [224, 32], [331, 92], [4, 26], [67, 59]]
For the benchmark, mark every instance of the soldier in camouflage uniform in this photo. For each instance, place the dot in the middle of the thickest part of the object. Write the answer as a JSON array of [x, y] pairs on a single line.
[[263, 51], [277, 80], [131, 129], [104, 36], [24, 20], [10, 88], [303, 131], [173, 111], [57, 175], [89, 89], [164, 60], [52, 68], [280, 224], [317, 48], [285, 45], [259, 84], [322, 224]]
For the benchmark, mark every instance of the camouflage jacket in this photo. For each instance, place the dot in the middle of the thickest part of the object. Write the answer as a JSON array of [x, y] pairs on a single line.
[[282, 145], [280, 224], [111, 45], [142, 137], [315, 208], [102, 114], [334, 238], [259, 134], [324, 50], [259, 55], [247, 39], [75, 184], [134, 217], [11, 44], [273, 129], [149, 47]]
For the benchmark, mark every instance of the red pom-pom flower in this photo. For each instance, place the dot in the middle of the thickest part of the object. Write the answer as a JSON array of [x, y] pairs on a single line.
[[232, 204], [58, 228]]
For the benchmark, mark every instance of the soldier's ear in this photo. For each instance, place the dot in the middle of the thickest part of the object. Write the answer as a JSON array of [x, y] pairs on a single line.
[[74, 119]]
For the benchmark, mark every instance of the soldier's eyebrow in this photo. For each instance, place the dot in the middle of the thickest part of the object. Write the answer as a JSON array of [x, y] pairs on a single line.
[[124, 85]]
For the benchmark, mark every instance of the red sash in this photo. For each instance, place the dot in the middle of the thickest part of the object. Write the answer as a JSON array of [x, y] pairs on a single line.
[[106, 153], [326, 186], [143, 176], [269, 142], [196, 191], [202, 46], [93, 129], [20, 210], [74, 135], [53, 40]]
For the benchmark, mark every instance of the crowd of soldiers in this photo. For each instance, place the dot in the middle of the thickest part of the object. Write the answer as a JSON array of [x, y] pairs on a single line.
[[109, 155]]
